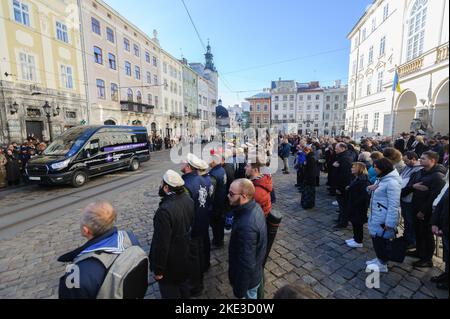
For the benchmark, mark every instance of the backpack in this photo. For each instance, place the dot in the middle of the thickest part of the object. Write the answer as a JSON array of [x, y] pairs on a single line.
[[127, 273]]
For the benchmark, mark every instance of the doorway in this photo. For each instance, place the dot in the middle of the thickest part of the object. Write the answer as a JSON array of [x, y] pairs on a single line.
[[35, 128]]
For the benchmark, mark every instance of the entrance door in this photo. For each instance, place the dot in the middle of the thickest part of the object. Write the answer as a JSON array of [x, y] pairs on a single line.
[[35, 128]]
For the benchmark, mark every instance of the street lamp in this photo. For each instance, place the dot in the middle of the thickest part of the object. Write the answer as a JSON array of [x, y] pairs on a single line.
[[48, 112]]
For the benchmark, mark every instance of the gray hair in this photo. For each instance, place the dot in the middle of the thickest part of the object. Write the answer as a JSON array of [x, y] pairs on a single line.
[[99, 217]]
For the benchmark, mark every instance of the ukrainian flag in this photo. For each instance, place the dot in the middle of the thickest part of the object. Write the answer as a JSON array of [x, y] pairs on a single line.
[[396, 85]]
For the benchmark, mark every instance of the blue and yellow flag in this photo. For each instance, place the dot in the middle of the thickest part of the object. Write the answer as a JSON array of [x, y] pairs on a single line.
[[396, 86]]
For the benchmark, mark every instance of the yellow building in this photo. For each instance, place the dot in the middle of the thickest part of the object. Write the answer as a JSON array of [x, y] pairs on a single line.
[[41, 62]]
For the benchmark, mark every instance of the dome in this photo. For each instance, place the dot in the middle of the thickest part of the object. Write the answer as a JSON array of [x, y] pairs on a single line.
[[221, 112]]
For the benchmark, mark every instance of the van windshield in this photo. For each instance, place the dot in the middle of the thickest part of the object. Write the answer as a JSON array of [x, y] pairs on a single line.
[[68, 143]]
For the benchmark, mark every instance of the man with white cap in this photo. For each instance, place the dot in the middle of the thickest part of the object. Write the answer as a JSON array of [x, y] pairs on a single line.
[[169, 252], [198, 190], [218, 217]]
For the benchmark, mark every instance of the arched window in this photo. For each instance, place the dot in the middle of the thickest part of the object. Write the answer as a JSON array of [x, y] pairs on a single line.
[[416, 29], [130, 95], [139, 97]]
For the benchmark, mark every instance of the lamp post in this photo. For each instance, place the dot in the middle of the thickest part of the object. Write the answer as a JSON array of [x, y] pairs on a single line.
[[48, 112]]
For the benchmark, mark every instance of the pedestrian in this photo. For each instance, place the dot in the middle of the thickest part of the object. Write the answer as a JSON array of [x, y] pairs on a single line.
[[198, 191], [374, 156], [169, 252], [308, 199], [412, 166], [439, 222], [419, 146], [248, 241], [384, 212], [425, 185], [3, 162], [342, 178], [285, 151], [12, 168], [110, 264], [217, 220], [227, 164], [395, 156], [358, 203]]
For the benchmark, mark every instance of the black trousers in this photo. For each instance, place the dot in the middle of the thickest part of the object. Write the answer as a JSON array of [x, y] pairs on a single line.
[[206, 252], [300, 177], [217, 222], [358, 232], [196, 263], [425, 244], [379, 245], [173, 290]]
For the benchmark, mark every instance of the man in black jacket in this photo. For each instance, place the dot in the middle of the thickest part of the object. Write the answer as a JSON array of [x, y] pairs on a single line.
[[169, 252], [425, 185], [248, 241], [342, 178]]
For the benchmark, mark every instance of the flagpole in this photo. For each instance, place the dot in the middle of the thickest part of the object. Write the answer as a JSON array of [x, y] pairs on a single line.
[[394, 88]]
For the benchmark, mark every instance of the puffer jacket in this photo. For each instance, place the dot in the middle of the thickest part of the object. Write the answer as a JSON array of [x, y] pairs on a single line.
[[263, 188], [384, 205]]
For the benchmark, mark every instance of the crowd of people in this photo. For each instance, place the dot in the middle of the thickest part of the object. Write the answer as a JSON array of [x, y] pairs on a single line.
[[373, 181], [13, 159]]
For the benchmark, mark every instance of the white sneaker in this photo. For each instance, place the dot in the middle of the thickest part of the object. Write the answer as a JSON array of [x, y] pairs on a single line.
[[354, 244], [227, 231], [379, 267], [335, 203], [349, 240], [372, 261]]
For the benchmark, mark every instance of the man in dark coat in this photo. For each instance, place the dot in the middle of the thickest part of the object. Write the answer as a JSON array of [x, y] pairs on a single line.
[[12, 168], [425, 185], [308, 200], [97, 225], [248, 241], [169, 253], [217, 220], [342, 178]]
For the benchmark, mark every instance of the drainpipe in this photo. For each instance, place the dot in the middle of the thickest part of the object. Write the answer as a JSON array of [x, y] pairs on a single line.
[[83, 56], [356, 85]]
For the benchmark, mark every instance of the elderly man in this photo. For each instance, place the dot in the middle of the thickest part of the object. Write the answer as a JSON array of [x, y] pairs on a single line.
[[169, 253], [248, 240], [92, 262]]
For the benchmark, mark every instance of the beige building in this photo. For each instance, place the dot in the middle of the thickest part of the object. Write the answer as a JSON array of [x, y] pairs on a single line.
[[124, 70], [40, 64]]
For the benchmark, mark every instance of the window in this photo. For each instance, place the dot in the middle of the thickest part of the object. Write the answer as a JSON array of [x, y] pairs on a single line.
[[376, 121], [301, 97], [317, 97], [380, 81], [336, 98], [155, 79], [308, 107], [361, 62], [127, 68], [316, 117], [371, 55], [327, 116], [382, 46], [130, 95], [147, 57], [328, 107], [114, 92], [21, 13], [165, 67], [61, 32], [364, 32], [360, 89], [110, 35], [317, 107], [101, 89], [137, 72], [366, 122], [277, 98], [355, 65], [266, 107], [165, 84], [374, 24], [291, 98], [328, 98], [291, 106], [336, 106], [66, 77], [285, 98], [369, 86], [309, 98], [156, 101], [98, 55], [276, 107], [112, 61], [149, 78], [416, 29], [96, 26], [155, 61], [284, 106], [28, 67], [276, 117], [137, 51], [150, 99], [139, 97], [386, 12], [126, 44]]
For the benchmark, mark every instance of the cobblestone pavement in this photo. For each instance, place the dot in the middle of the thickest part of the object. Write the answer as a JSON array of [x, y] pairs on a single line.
[[306, 252]]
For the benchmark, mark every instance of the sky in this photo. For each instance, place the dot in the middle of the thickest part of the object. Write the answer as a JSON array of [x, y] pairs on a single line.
[[249, 38]]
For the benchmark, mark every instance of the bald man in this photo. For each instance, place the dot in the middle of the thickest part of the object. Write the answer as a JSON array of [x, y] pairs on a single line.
[[97, 226], [248, 240]]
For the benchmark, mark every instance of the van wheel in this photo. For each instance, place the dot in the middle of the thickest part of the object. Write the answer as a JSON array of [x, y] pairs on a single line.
[[134, 166], [79, 179]]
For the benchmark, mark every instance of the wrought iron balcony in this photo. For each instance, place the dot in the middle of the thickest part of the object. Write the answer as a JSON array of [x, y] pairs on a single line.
[[136, 107]]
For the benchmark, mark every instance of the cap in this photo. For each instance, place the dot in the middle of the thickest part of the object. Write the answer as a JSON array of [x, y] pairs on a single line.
[[203, 165], [194, 161], [173, 179]]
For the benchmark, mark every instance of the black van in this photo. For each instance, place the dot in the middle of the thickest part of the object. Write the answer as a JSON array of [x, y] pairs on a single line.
[[85, 151]]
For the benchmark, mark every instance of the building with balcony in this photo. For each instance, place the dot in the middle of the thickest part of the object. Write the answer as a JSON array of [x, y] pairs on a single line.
[[260, 110], [410, 37]]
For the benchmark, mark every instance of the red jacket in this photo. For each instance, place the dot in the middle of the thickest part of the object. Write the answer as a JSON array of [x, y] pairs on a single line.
[[263, 188]]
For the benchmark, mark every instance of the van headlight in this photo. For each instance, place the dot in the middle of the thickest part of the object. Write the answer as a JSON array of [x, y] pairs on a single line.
[[60, 165]]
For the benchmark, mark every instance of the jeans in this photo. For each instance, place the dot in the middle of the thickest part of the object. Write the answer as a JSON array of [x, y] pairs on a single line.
[[408, 217], [286, 164]]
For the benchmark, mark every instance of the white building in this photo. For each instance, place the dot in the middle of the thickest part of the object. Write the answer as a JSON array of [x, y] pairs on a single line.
[[334, 109], [310, 97], [412, 36], [283, 106]]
